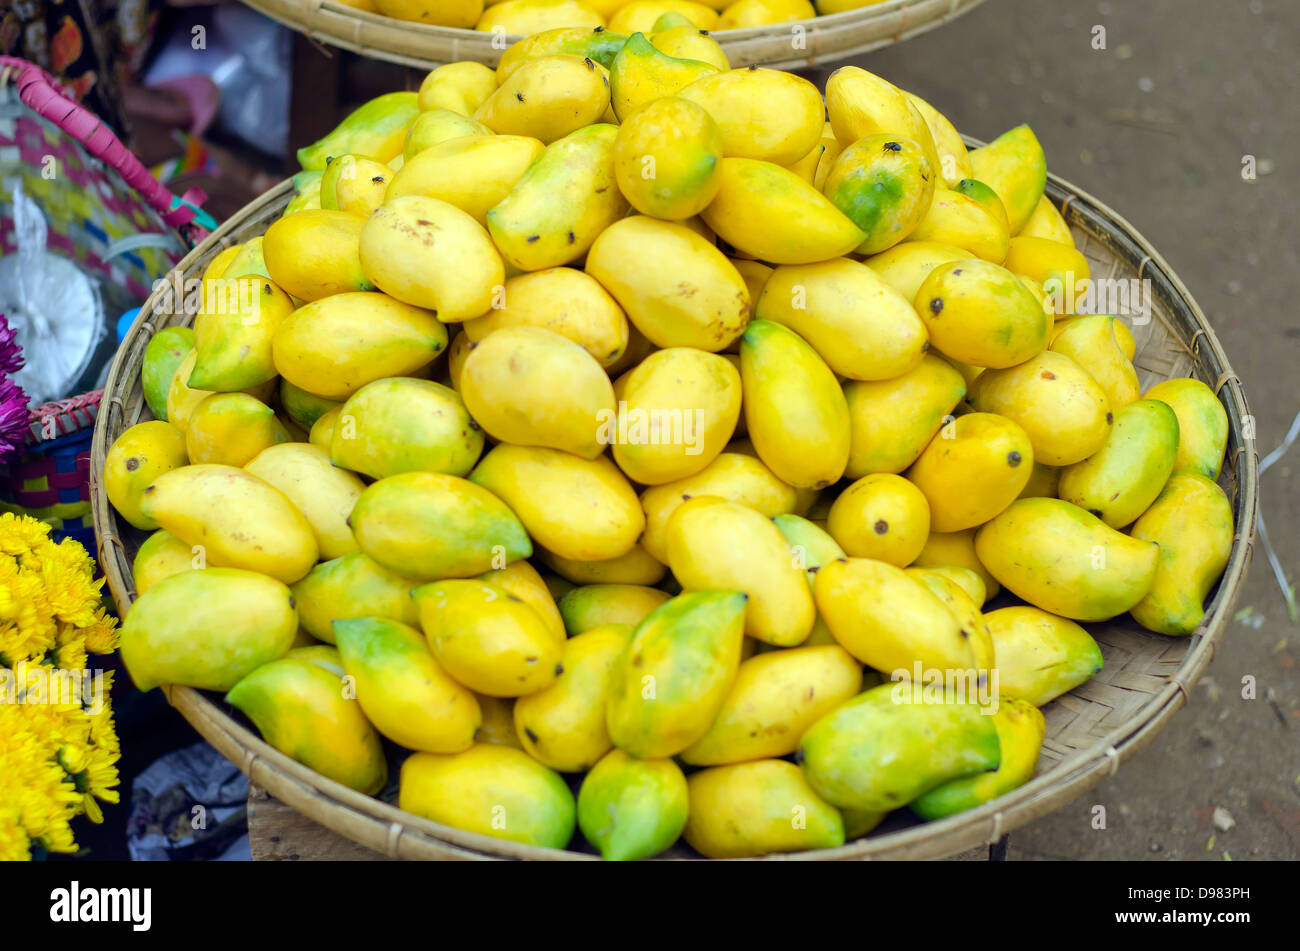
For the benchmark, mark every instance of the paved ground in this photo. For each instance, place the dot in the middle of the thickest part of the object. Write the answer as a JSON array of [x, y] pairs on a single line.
[[1157, 125]]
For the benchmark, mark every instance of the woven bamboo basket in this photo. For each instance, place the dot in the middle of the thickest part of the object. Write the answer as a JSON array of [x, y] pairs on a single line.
[[797, 45], [1091, 731]]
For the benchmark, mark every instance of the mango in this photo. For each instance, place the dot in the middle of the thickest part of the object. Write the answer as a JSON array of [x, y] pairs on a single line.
[[640, 16], [884, 184], [313, 254], [763, 114], [548, 98], [1040, 656], [746, 14], [206, 629], [239, 520], [987, 199], [353, 586], [183, 399], [436, 126], [1202, 425], [456, 13], [525, 17], [473, 173], [160, 556], [460, 87], [973, 470], [1191, 521], [322, 431], [490, 790], [375, 130], [163, 354], [979, 313], [860, 104], [642, 73], [941, 578], [333, 347], [1062, 270], [1093, 343], [883, 749], [1047, 222], [1013, 165], [630, 808], [636, 567], [857, 323], [582, 509], [954, 160], [354, 184], [1062, 409], [674, 675], [666, 158], [523, 581], [758, 808], [230, 429], [324, 494], [595, 43], [684, 41], [958, 220], [1121, 480], [597, 605], [892, 421], [956, 549], [706, 305], [137, 457], [881, 516], [1060, 558], [301, 407]]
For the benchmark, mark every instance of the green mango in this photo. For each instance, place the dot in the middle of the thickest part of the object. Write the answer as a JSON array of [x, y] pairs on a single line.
[[884, 184], [595, 605], [1020, 729], [986, 197], [884, 748], [352, 586], [304, 179], [561, 203], [1202, 424], [1121, 480], [641, 73], [163, 354], [858, 822], [430, 525], [375, 130], [207, 629], [301, 708], [632, 808], [402, 424], [304, 408], [673, 677], [1014, 166], [308, 196]]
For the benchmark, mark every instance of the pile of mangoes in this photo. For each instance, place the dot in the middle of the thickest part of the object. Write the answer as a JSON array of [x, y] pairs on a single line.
[[640, 451], [620, 17]]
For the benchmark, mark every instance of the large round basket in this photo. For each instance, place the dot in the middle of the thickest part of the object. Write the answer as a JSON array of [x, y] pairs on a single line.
[[1091, 731], [796, 45]]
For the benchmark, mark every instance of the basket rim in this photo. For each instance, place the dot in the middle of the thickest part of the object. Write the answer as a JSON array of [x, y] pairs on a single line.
[[398, 834]]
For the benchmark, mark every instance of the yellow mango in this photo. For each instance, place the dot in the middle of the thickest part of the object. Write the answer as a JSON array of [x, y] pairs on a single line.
[[631, 808], [772, 214], [1202, 424], [1093, 343], [1064, 411], [526, 17], [1123, 336], [885, 748], [582, 509], [596, 43], [375, 129], [857, 323], [231, 428], [958, 220], [747, 14], [400, 424], [666, 158], [508, 382], [436, 126], [160, 556], [232, 339], [951, 592], [979, 313], [354, 184], [313, 254], [954, 161], [685, 41], [794, 408], [1064, 560], [206, 629], [239, 520], [775, 698], [402, 689], [884, 184], [430, 254], [640, 16], [860, 104], [758, 808], [670, 681], [563, 725], [941, 578], [763, 114], [1040, 656], [430, 525], [681, 407], [892, 421], [321, 434], [324, 494], [562, 202], [457, 354], [706, 305], [183, 399], [1120, 480], [905, 266], [1059, 268], [739, 478], [987, 199], [1013, 165], [491, 790], [972, 470], [1047, 222], [1020, 727], [642, 73], [137, 457], [548, 98], [1191, 521], [889, 620], [456, 13], [352, 586], [714, 544], [957, 550], [460, 87], [335, 346], [522, 580], [881, 516], [473, 173], [487, 638], [595, 605]]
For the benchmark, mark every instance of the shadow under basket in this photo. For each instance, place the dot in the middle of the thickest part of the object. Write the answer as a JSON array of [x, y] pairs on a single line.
[[1091, 731]]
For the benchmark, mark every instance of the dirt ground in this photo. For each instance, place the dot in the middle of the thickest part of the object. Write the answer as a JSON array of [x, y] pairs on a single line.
[[1158, 125]]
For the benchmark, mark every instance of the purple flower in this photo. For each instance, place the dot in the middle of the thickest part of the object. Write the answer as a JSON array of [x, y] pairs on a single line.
[[13, 419], [11, 353]]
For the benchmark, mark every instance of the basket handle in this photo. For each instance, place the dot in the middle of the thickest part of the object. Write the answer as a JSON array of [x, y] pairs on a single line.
[[38, 91]]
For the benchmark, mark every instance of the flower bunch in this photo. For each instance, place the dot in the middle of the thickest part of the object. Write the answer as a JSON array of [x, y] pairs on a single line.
[[13, 401], [58, 747]]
